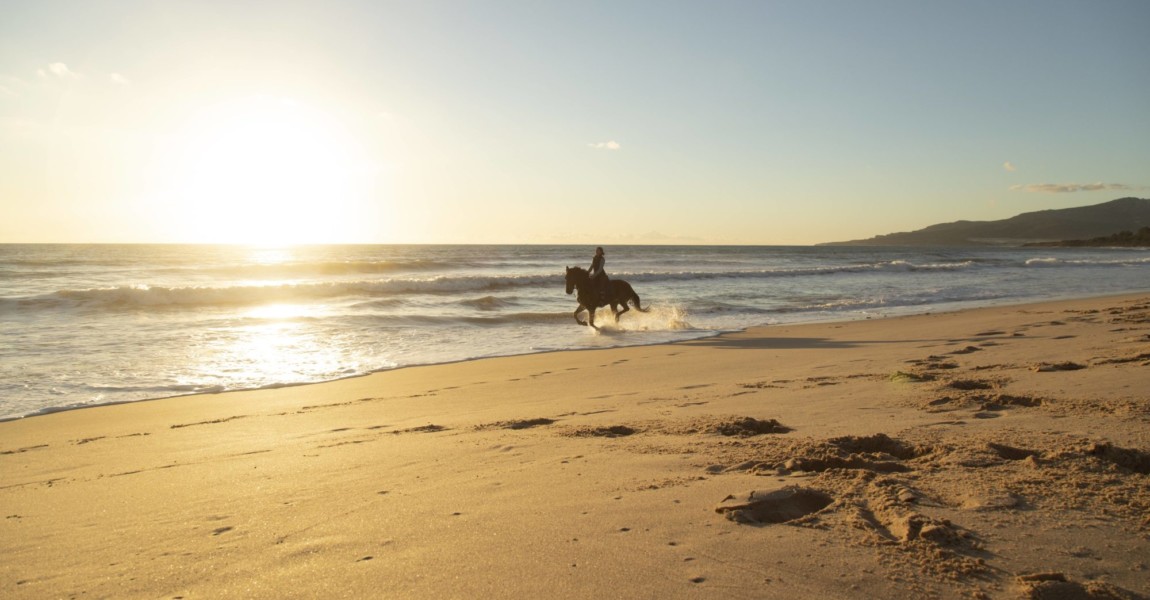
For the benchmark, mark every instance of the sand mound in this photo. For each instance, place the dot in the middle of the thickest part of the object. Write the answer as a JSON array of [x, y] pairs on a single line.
[[747, 426], [1133, 460], [1056, 586], [879, 444], [877, 453]]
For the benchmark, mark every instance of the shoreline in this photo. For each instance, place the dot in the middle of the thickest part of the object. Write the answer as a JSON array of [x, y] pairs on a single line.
[[897, 313], [994, 452]]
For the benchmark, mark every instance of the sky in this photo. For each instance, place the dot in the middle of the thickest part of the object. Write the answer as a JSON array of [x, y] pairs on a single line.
[[534, 121]]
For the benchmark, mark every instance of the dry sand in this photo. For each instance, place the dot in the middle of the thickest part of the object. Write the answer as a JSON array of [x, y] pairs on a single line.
[[1000, 452]]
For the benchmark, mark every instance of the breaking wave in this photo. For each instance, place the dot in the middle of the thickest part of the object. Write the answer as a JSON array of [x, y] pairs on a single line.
[[389, 291]]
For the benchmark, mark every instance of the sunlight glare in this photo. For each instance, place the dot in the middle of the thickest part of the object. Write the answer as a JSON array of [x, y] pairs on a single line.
[[266, 171]]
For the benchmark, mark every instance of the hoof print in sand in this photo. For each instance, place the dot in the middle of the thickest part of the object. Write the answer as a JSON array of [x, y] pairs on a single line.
[[779, 506], [1010, 452], [990, 501], [1011, 400], [969, 384], [905, 377]]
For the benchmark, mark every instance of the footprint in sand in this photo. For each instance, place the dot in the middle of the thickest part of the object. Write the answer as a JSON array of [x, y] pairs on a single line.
[[517, 424], [422, 429], [212, 422], [24, 449], [1142, 358], [610, 432], [1062, 366], [778, 506]]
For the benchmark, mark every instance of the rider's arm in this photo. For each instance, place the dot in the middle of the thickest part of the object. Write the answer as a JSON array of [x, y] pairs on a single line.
[[596, 265]]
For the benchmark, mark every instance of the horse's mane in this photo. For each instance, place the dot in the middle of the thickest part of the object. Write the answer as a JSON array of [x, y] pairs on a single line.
[[579, 270]]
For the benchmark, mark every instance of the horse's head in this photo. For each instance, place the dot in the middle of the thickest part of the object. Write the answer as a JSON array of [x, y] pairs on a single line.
[[576, 278], [571, 279]]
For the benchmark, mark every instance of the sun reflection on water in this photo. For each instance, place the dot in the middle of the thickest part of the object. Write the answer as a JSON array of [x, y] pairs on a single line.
[[273, 345], [279, 312], [271, 254]]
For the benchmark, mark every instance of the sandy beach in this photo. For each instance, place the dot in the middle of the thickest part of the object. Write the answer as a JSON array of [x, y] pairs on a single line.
[[990, 453]]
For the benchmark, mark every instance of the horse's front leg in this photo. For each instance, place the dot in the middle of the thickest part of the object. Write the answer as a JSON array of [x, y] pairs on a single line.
[[576, 315], [591, 316]]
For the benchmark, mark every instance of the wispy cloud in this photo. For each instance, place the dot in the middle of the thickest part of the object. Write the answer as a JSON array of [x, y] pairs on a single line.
[[58, 69], [1009, 166], [1063, 188], [611, 145], [119, 79]]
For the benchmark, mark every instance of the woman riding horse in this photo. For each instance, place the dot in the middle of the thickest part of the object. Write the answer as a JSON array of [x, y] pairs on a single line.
[[598, 272], [615, 292]]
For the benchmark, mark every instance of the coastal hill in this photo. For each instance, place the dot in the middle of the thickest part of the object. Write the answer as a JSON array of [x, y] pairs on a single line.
[[1084, 222], [1122, 239]]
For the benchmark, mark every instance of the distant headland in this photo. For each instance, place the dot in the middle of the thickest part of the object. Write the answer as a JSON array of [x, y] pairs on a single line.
[[1122, 222]]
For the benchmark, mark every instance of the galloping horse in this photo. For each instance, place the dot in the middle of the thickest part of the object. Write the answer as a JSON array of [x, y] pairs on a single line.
[[619, 292]]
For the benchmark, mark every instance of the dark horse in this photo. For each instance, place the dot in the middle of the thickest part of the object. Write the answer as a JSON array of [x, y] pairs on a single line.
[[619, 293]]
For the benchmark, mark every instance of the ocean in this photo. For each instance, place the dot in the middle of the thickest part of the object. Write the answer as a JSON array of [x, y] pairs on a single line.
[[83, 325]]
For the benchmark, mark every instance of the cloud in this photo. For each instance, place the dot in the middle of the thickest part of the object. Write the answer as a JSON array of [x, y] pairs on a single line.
[[119, 79], [1063, 188], [59, 69], [611, 145], [1009, 166]]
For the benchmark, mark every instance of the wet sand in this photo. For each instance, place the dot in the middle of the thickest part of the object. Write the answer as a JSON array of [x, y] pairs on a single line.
[[996, 453]]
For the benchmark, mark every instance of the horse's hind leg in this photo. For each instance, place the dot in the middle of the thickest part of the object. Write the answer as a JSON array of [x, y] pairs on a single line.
[[619, 313]]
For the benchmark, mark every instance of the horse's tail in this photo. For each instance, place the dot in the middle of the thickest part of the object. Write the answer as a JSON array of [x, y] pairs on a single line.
[[635, 299]]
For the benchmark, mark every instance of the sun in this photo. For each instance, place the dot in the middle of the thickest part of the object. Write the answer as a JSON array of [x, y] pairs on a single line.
[[265, 171]]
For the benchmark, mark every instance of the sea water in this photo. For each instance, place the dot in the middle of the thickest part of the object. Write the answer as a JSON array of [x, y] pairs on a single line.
[[90, 324]]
